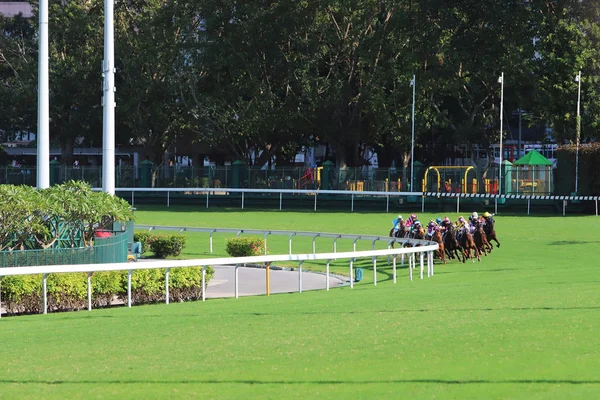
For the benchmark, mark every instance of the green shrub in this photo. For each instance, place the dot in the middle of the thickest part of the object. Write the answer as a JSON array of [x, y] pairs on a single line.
[[245, 246], [23, 294], [162, 246]]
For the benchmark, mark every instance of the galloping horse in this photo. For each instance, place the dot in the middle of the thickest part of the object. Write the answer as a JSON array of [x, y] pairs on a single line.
[[400, 233], [450, 243], [480, 239], [468, 245], [490, 233], [441, 252]]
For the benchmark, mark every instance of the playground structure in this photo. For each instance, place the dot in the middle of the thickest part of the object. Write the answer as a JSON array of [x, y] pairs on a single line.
[[450, 179]]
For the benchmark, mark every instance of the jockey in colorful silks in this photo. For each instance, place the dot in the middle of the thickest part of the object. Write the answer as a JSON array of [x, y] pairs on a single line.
[[396, 223], [411, 220], [432, 227]]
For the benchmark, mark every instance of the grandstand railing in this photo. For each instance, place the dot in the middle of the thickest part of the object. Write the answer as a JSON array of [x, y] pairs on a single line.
[[105, 250], [206, 193], [425, 249]]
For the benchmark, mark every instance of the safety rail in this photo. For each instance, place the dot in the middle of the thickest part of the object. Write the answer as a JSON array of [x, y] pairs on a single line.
[[421, 247], [353, 194]]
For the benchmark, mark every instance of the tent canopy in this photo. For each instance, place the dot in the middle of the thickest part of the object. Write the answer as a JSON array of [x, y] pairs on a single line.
[[533, 158]]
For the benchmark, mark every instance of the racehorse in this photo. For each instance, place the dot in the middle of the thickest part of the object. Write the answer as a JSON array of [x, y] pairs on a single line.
[[465, 239], [441, 252], [480, 239], [450, 243], [490, 232], [400, 232]]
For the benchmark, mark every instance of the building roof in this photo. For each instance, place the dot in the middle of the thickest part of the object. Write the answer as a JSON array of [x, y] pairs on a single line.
[[13, 8]]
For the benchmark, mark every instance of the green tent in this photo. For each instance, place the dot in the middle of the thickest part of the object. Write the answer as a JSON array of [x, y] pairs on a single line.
[[533, 174], [533, 158]]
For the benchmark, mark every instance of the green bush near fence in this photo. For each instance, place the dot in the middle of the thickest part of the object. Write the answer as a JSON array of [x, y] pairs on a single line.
[[245, 246], [67, 292], [162, 246]]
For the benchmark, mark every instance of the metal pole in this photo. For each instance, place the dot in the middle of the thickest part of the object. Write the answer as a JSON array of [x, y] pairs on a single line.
[[327, 275], [528, 204], [206, 199], [410, 269], [236, 279], [423, 204], [129, 288], [596, 207], [351, 279], [89, 287], [290, 242], [458, 204], [108, 101], [501, 119], [413, 83], [44, 287], [167, 285], [168, 199], [204, 283], [268, 278], [578, 78], [315, 201], [564, 207], [352, 203], [43, 134], [300, 277], [519, 141], [387, 203], [280, 199], [421, 263], [242, 200], [394, 268], [375, 271]]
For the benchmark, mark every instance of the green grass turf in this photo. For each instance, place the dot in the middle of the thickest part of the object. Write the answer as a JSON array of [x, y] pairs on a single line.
[[522, 324]]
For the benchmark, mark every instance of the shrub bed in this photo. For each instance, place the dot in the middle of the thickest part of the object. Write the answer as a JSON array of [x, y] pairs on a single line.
[[245, 246], [162, 246], [68, 292]]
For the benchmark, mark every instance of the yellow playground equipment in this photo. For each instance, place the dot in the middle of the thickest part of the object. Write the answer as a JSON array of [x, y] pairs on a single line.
[[454, 179]]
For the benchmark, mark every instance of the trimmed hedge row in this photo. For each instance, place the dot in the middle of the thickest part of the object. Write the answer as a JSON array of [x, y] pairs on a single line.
[[68, 292], [162, 246]]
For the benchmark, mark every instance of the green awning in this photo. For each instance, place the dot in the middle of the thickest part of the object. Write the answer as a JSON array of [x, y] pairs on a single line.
[[533, 158]]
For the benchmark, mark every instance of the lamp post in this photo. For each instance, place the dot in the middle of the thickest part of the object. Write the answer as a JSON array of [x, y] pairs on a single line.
[[501, 81], [108, 101], [413, 83], [578, 132], [43, 133]]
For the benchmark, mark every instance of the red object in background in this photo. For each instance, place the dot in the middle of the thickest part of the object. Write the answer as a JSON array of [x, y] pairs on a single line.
[[102, 233]]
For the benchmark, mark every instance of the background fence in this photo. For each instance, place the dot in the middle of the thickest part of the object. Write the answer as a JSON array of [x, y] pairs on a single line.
[[105, 250]]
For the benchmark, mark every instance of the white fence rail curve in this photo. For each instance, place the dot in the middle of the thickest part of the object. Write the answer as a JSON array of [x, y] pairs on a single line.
[[423, 195], [424, 248]]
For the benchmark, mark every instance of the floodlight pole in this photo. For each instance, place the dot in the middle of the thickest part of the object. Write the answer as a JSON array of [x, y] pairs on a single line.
[[578, 133], [413, 83], [43, 133], [108, 101], [501, 80]]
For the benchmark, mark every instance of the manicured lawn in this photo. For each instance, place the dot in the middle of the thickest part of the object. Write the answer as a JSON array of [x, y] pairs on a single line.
[[522, 324]]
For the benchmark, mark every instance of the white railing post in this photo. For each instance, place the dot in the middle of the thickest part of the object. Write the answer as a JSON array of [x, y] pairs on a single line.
[[314, 245], [351, 271], [394, 268], [211, 239], [167, 285], [300, 277], [410, 269], [44, 287], [204, 283], [387, 203], [458, 204], [236, 280], [354, 244], [421, 263], [265, 239], [290, 242], [352, 203], [280, 199], [89, 288], [207, 199], [327, 275], [374, 271], [315, 201], [242, 200], [129, 288]]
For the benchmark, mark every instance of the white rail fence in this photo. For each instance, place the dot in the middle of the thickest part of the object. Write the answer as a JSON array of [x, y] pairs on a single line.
[[422, 248], [353, 194]]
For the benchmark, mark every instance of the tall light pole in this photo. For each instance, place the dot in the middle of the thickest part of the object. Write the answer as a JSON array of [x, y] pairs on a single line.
[[43, 133], [501, 81], [413, 83], [108, 101], [578, 132]]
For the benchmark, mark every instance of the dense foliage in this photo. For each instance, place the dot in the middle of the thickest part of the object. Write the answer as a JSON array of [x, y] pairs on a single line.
[[38, 218], [236, 76], [162, 246], [245, 246], [67, 292]]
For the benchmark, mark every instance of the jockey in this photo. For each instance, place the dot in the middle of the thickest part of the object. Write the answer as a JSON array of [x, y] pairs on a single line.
[[438, 221], [463, 223], [432, 227], [473, 218], [446, 223], [415, 225], [411, 220], [397, 222], [486, 215]]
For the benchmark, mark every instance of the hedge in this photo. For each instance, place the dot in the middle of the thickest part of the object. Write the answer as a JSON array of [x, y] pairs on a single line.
[[68, 292], [162, 246], [245, 246]]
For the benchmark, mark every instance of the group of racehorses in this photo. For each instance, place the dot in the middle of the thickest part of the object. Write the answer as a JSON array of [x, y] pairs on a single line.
[[454, 241]]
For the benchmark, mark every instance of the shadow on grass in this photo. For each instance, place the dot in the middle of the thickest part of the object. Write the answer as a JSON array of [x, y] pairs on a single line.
[[307, 382], [570, 242]]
